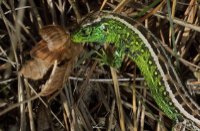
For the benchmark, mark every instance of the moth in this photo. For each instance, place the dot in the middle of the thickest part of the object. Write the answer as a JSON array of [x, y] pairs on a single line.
[[55, 51]]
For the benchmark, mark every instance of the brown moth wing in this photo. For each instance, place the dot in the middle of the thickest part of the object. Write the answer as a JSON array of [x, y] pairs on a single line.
[[55, 47], [55, 81], [46, 52], [34, 69], [41, 51], [61, 73], [55, 36]]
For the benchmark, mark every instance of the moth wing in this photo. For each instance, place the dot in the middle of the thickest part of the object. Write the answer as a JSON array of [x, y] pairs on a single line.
[[55, 36], [34, 69]]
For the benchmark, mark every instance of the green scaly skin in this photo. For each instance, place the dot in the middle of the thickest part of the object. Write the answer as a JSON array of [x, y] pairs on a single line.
[[128, 42]]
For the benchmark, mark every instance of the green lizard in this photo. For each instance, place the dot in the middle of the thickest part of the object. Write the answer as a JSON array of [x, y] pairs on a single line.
[[134, 40]]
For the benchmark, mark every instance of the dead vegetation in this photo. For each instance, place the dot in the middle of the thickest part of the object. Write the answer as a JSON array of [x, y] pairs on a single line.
[[89, 96]]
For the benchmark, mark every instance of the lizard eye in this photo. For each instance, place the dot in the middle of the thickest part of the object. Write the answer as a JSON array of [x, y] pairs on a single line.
[[104, 28], [86, 32]]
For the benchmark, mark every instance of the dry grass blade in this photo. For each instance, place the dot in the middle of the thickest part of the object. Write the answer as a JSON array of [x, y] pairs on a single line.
[[120, 5], [156, 9], [118, 99], [103, 4], [190, 17], [76, 10], [134, 104]]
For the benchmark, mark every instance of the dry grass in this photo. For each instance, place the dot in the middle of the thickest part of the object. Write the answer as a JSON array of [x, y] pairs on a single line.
[[94, 97]]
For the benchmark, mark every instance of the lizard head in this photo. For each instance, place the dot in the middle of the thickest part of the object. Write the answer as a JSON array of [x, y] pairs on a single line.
[[92, 29]]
